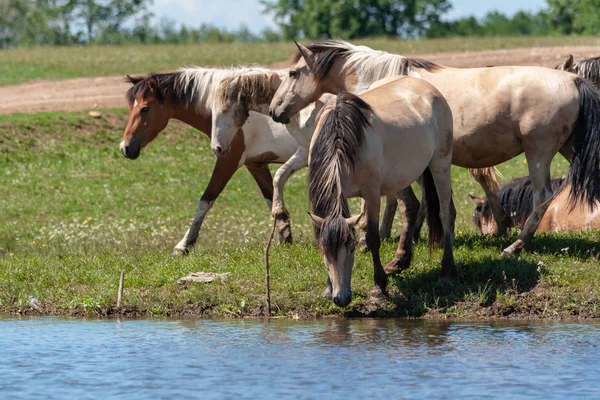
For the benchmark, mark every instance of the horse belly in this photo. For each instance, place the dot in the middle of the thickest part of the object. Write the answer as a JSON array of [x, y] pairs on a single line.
[[486, 146], [267, 141]]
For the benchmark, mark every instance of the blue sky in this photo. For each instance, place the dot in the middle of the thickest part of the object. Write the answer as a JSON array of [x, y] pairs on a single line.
[[232, 13]]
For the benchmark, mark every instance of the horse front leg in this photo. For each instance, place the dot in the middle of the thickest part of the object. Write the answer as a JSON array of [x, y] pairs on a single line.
[[486, 177], [539, 173], [404, 253], [372, 208], [223, 170], [278, 210]]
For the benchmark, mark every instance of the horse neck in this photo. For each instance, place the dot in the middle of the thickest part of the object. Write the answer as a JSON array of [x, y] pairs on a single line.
[[195, 118]]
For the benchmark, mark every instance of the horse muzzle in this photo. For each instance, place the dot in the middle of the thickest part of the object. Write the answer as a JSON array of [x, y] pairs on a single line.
[[131, 151], [280, 117], [343, 298], [220, 151]]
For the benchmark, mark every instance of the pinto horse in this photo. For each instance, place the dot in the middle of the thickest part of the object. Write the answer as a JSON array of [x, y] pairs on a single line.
[[498, 113], [235, 97], [377, 144], [186, 95], [516, 198]]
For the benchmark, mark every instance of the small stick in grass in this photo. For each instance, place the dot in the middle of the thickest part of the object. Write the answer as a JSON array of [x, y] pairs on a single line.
[[120, 294], [267, 267]]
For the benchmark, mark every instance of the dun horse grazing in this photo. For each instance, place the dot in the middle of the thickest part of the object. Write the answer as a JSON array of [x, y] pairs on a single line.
[[517, 199], [498, 113], [186, 95], [377, 144], [588, 68]]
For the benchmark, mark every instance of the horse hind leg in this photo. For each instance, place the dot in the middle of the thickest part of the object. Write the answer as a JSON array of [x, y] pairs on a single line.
[[486, 177], [404, 252], [385, 229], [539, 173], [441, 172]]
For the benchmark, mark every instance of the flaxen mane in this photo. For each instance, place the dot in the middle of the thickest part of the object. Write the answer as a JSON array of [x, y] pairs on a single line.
[[516, 197], [368, 64], [333, 156], [253, 88], [187, 87]]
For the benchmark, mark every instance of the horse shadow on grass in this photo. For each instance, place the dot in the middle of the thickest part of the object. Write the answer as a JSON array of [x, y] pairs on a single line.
[[572, 245], [477, 285]]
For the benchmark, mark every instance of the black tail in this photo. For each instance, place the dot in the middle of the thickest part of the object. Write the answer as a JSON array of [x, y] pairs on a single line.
[[584, 173], [434, 221]]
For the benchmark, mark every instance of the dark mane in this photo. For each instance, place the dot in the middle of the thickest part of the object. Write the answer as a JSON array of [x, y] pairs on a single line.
[[516, 197], [589, 69], [334, 153], [427, 65], [164, 86]]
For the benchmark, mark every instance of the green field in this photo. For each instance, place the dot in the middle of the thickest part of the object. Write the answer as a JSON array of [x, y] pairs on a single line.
[[22, 65], [74, 213]]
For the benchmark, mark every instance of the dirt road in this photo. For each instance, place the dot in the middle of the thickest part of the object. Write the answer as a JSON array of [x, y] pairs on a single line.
[[108, 92]]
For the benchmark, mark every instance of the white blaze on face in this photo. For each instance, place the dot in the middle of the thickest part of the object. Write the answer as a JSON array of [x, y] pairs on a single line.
[[122, 147], [135, 103]]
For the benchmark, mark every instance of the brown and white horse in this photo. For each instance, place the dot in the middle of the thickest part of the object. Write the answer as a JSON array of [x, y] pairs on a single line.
[[498, 112], [186, 95], [233, 100], [516, 198], [235, 97], [377, 144]]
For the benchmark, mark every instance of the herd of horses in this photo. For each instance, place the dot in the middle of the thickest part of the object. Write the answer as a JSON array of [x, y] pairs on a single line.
[[369, 123]]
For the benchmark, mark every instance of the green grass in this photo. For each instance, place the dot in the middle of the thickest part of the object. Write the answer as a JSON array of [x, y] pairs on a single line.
[[22, 65], [74, 213]]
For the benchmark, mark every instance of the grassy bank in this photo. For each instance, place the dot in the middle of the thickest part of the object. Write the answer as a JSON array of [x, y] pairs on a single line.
[[22, 65], [74, 213]]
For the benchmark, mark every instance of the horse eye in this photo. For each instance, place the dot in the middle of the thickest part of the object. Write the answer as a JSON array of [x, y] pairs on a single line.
[[144, 109], [293, 73]]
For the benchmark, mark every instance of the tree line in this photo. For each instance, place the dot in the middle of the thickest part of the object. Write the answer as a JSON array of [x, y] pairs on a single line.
[[80, 22]]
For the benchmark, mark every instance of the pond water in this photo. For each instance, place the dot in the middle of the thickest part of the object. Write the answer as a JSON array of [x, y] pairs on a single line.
[[250, 359]]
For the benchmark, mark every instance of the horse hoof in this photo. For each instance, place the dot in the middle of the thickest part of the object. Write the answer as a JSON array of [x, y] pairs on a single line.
[[396, 266], [179, 253], [286, 239], [362, 245], [377, 296]]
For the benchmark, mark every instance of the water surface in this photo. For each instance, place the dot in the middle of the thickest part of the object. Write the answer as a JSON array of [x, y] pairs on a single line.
[[250, 359]]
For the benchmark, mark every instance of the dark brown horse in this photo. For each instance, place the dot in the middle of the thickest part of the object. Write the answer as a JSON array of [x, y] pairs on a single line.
[[516, 198], [588, 68], [186, 95]]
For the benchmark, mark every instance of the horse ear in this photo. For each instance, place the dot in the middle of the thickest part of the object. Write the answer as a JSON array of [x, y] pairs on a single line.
[[152, 83], [318, 221], [133, 79], [306, 54], [568, 64], [352, 221], [477, 200]]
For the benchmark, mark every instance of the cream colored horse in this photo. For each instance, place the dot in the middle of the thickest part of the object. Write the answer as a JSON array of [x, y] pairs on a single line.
[[498, 113], [377, 144]]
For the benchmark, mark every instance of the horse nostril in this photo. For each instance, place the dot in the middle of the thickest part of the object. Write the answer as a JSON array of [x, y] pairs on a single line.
[[271, 112], [218, 150]]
